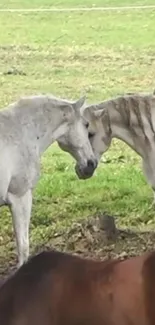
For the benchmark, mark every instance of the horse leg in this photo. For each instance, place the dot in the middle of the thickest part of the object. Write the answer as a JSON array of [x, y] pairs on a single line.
[[149, 173], [20, 208]]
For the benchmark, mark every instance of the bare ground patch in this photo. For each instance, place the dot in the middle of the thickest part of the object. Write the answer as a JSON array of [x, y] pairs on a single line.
[[95, 237]]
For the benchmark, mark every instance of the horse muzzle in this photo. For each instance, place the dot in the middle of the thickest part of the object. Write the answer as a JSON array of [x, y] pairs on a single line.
[[84, 172]]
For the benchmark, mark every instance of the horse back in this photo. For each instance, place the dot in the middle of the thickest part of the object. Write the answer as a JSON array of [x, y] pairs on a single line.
[[61, 289]]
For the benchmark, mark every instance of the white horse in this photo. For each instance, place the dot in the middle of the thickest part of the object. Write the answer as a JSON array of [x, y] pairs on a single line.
[[130, 118], [27, 128]]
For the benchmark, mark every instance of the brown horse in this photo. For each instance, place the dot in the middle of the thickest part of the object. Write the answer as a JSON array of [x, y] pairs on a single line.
[[54, 288]]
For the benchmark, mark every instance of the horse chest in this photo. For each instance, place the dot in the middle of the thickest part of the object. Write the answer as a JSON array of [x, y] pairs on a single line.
[[24, 177]]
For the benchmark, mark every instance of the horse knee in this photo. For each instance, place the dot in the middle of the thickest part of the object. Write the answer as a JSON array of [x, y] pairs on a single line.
[[23, 252]]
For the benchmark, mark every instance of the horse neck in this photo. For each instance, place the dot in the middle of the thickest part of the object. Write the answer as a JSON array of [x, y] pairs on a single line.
[[130, 133], [43, 124], [126, 136], [51, 136]]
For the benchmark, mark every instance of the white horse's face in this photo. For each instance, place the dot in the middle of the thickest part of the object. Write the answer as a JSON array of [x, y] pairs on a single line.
[[76, 142], [99, 129]]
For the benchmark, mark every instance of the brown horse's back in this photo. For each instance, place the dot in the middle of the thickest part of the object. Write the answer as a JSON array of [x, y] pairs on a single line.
[[54, 288]]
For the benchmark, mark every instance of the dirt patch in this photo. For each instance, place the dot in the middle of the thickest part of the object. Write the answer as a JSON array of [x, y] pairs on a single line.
[[96, 237]]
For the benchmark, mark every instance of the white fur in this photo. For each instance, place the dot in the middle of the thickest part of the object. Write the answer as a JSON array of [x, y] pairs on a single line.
[[27, 128]]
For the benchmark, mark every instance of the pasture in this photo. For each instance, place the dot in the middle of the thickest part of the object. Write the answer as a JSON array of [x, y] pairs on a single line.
[[100, 54]]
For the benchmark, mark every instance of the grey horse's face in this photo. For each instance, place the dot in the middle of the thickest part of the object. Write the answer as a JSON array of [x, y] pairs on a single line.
[[76, 142], [99, 131]]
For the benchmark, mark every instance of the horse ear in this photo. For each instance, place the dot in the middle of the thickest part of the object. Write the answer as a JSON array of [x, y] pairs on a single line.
[[67, 111], [93, 111], [86, 112], [99, 113], [79, 103]]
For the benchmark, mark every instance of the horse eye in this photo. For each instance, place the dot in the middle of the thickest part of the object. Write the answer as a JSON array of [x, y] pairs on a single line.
[[91, 135], [87, 125]]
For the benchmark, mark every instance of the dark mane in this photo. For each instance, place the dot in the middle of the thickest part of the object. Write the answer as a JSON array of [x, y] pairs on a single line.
[[41, 264], [38, 265]]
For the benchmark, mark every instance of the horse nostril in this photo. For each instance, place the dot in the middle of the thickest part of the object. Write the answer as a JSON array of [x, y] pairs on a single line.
[[91, 163]]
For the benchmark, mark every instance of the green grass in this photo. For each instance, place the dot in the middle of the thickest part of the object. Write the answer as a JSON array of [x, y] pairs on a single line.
[[99, 54], [71, 3]]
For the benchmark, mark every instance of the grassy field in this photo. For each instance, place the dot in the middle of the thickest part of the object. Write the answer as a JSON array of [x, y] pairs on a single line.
[[71, 3], [100, 54]]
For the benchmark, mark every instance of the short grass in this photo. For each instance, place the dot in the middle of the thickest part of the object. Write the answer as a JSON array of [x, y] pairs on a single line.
[[71, 3], [99, 54]]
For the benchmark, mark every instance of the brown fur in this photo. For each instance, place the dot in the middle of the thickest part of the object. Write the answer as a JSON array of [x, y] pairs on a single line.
[[54, 288]]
